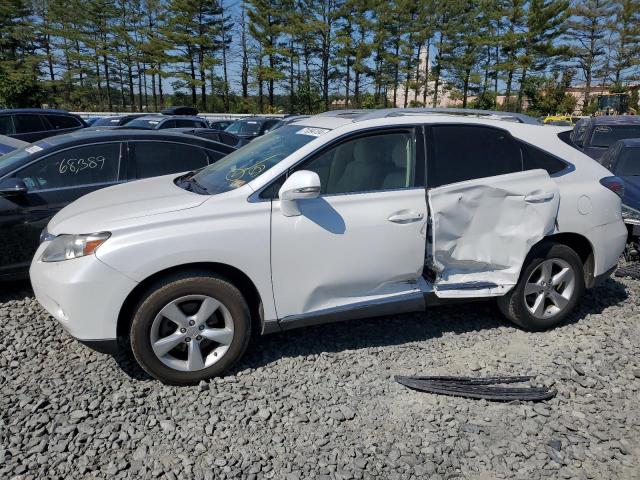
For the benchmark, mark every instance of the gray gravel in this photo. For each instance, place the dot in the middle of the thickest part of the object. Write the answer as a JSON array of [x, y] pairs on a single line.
[[321, 403]]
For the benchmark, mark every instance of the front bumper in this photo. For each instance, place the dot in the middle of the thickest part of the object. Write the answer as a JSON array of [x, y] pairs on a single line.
[[83, 294]]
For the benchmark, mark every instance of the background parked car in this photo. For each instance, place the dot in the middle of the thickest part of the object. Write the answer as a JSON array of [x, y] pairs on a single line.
[[32, 124], [115, 121], [253, 127], [292, 119], [91, 120], [160, 122], [623, 160], [8, 144], [221, 124], [37, 181], [212, 134], [595, 135]]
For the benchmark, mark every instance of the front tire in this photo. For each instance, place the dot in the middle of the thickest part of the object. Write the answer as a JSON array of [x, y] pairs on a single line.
[[189, 328], [551, 282]]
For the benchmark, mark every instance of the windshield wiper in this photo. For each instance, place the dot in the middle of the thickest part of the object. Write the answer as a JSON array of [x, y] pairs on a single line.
[[188, 182]]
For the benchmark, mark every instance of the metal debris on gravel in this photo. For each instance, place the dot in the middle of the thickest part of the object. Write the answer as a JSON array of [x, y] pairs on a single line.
[[321, 402]]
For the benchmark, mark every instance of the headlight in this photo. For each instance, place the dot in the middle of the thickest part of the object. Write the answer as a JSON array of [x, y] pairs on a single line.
[[66, 247], [630, 214]]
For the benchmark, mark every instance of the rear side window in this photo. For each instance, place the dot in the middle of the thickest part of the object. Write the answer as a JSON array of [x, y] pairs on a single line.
[[462, 152], [74, 167], [6, 125], [25, 123], [534, 158], [605, 135], [153, 159], [61, 122]]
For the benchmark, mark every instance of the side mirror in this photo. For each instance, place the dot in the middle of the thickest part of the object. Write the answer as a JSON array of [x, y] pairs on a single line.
[[12, 186], [302, 185]]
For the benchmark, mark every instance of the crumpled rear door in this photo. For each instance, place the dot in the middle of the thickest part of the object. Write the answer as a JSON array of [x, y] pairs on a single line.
[[483, 229]]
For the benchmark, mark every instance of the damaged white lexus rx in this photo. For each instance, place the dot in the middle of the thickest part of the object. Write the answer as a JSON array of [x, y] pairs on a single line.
[[340, 216]]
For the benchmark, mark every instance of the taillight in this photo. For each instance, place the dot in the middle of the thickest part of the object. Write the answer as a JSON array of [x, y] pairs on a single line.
[[615, 184]]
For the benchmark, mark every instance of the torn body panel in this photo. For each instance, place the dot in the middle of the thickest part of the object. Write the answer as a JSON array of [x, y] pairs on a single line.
[[483, 229]]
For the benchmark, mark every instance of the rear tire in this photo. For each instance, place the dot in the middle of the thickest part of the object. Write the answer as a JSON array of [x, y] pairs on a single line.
[[189, 328], [551, 282]]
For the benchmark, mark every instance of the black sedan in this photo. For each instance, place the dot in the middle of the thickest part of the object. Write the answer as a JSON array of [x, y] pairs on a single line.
[[115, 121], [213, 134], [32, 124], [623, 160], [594, 135], [38, 180], [253, 127]]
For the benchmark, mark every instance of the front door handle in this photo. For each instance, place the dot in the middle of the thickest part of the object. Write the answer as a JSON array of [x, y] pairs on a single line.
[[406, 216], [539, 197]]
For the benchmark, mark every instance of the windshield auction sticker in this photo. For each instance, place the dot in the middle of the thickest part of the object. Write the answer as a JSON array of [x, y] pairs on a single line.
[[312, 131]]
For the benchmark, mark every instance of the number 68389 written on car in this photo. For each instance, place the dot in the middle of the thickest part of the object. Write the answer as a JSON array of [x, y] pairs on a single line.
[[76, 165]]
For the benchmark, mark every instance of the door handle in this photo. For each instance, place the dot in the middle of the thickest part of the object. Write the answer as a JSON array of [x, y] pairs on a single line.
[[539, 197], [405, 216]]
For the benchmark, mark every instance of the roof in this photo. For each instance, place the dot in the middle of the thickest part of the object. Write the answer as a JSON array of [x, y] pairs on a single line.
[[616, 120], [630, 142], [358, 115], [80, 136], [34, 110], [337, 118]]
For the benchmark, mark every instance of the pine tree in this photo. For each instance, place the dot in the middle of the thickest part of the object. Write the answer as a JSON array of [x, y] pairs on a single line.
[[588, 29]]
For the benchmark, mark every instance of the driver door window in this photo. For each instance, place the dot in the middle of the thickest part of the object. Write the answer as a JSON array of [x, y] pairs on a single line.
[[367, 164]]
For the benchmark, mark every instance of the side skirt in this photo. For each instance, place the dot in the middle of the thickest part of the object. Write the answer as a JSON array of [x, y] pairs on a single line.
[[407, 303]]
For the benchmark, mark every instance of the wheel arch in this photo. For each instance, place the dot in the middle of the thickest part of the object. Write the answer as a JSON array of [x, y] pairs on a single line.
[[234, 275], [582, 246]]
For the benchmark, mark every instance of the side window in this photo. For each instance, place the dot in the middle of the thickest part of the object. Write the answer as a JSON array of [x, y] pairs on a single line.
[[153, 159], [463, 152], [26, 123], [533, 158], [366, 164], [74, 167], [215, 156], [6, 125], [184, 123], [60, 122], [167, 124]]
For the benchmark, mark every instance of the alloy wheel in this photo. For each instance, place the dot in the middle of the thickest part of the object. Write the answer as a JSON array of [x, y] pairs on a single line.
[[191, 333], [549, 288]]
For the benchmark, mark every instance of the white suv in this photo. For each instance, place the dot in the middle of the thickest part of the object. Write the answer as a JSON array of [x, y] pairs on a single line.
[[343, 215]]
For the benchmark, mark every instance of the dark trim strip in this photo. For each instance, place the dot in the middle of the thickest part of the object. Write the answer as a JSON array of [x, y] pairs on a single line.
[[412, 302]]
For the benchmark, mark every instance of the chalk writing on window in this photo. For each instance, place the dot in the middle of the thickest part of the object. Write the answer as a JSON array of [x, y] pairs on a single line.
[[73, 166]]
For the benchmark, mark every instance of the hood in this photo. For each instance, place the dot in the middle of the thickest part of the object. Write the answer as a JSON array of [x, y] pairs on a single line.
[[103, 208], [631, 191]]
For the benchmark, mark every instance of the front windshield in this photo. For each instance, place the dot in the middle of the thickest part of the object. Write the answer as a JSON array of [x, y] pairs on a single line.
[[255, 158], [143, 123], [17, 157], [629, 163], [607, 135], [247, 127], [107, 122]]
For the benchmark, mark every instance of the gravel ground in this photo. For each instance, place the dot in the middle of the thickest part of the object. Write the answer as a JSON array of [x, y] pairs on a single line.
[[321, 403]]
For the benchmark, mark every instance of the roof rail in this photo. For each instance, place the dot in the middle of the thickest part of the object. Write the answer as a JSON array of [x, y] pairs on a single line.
[[359, 115], [467, 112]]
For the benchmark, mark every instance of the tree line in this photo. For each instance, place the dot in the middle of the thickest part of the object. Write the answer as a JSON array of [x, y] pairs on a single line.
[[303, 55]]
